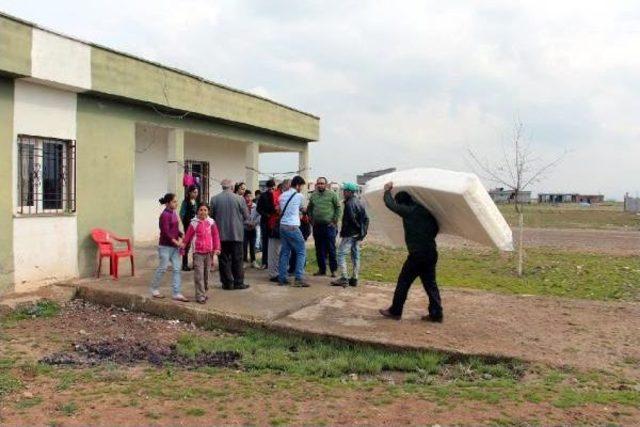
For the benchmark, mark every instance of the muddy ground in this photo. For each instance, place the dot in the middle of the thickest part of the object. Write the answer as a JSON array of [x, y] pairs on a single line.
[[114, 381]]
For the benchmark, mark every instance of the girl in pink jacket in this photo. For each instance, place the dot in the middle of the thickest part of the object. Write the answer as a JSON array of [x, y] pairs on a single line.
[[206, 241]]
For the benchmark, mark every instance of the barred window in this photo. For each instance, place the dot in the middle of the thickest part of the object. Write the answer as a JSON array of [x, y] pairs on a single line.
[[46, 175]]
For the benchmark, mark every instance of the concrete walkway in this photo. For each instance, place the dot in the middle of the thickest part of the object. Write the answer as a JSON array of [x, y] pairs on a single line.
[[560, 332]]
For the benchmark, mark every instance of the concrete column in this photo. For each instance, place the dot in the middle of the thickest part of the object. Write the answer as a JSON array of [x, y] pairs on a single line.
[[252, 162], [303, 164], [175, 161]]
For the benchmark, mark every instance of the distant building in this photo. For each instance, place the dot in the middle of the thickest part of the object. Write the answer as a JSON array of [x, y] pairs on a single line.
[[570, 198], [631, 204], [365, 177], [501, 195]]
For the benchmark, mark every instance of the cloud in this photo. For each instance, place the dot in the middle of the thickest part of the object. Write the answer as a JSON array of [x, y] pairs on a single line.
[[406, 83]]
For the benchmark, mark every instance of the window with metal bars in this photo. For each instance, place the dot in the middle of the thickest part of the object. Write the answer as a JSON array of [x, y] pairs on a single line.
[[46, 175]]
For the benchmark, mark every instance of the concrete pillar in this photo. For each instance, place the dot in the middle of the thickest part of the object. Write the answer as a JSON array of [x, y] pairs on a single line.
[[175, 162], [252, 162], [303, 165]]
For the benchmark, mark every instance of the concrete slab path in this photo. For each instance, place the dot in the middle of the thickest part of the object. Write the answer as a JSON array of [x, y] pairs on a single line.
[[585, 334]]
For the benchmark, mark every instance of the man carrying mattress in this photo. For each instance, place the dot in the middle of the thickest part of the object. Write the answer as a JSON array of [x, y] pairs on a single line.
[[420, 230]]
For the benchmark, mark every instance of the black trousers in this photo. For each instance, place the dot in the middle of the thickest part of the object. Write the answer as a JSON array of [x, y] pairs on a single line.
[[231, 268], [249, 245], [264, 237], [324, 236], [423, 265]]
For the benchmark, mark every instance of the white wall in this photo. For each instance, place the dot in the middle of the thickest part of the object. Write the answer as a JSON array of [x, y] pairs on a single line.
[[227, 159], [45, 248], [150, 180], [60, 60]]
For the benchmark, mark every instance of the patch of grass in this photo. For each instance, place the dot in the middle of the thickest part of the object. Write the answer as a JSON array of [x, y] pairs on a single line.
[[28, 403], [195, 412], [8, 383], [314, 358], [610, 216], [44, 308], [67, 409], [547, 272]]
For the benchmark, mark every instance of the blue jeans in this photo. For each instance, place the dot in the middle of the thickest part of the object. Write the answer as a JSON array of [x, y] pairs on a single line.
[[349, 245], [168, 254], [291, 240]]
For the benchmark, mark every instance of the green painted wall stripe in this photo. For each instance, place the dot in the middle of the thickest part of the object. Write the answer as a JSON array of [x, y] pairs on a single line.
[[15, 47], [123, 76], [6, 201]]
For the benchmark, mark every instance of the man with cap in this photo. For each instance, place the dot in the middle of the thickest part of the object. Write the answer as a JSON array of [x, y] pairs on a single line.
[[355, 224], [420, 230]]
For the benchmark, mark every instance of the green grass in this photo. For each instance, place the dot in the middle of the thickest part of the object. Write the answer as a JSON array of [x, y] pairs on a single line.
[[547, 272], [300, 356], [68, 409], [606, 216], [8, 383], [195, 412], [42, 308]]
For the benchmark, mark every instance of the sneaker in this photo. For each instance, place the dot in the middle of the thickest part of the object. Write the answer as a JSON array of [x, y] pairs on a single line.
[[180, 298], [257, 265], [285, 283], [386, 313], [433, 319], [353, 282], [157, 294], [241, 286], [274, 279], [340, 282], [300, 283], [319, 273], [201, 300]]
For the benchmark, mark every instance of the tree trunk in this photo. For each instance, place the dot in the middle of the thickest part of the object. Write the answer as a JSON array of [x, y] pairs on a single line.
[[520, 243]]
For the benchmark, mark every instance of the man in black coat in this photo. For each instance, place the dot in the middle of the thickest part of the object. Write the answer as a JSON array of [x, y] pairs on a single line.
[[420, 230], [265, 208]]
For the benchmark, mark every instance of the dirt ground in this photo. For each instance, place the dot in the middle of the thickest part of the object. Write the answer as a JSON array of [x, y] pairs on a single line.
[[614, 242], [144, 394]]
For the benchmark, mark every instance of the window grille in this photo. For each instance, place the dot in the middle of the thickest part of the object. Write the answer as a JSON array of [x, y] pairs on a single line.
[[46, 175]]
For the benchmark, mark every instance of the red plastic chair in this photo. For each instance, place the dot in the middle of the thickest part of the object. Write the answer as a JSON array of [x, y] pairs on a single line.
[[106, 248]]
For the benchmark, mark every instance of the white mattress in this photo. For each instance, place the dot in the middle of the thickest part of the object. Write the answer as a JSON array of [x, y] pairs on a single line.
[[458, 200]]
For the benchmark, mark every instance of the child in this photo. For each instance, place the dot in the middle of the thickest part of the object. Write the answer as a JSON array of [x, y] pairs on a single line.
[[169, 248], [187, 213], [250, 234], [206, 245]]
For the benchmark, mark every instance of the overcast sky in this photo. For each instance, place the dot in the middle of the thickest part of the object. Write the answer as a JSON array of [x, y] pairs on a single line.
[[406, 83]]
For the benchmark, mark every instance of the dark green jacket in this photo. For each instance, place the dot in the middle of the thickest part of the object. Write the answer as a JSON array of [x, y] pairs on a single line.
[[420, 226], [324, 207]]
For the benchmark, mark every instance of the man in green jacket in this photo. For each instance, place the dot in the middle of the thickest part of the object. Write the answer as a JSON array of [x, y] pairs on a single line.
[[420, 230], [324, 212]]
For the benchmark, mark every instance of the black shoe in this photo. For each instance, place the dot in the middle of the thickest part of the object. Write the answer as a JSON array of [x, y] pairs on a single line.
[[319, 273], [353, 282], [274, 279], [434, 319], [241, 286], [227, 287], [186, 268], [300, 283], [386, 313], [340, 282], [285, 283]]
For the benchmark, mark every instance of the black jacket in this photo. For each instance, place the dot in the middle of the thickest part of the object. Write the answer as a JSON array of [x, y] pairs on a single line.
[[420, 226], [355, 222], [265, 206]]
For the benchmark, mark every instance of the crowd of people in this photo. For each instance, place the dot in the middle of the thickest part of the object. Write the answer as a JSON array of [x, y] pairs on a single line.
[[229, 230]]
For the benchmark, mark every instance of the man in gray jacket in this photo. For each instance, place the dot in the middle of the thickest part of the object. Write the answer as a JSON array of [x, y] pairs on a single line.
[[230, 213]]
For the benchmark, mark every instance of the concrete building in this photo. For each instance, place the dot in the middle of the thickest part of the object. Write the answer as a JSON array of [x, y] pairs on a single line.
[[501, 195], [91, 137], [570, 198]]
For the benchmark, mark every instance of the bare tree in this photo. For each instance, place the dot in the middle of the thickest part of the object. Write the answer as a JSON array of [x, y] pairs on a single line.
[[516, 169]]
